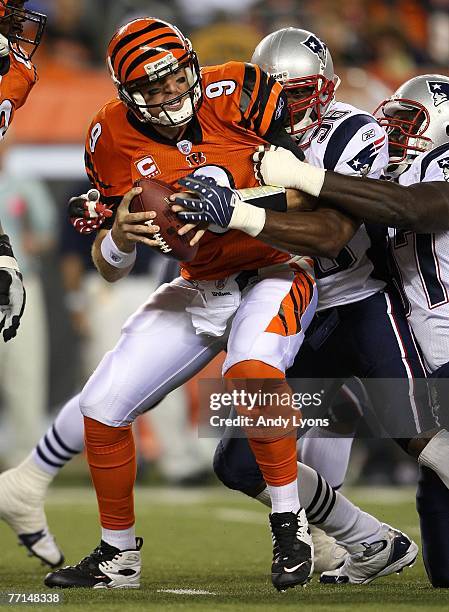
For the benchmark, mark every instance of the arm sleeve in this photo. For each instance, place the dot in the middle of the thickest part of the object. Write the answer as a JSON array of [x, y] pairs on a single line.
[[107, 168]]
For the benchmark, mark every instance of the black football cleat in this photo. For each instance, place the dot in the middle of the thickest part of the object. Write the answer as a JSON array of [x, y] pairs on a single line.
[[292, 550], [106, 567]]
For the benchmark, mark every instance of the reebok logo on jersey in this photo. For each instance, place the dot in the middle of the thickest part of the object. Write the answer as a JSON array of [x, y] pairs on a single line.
[[439, 91], [368, 134], [363, 161], [444, 165], [315, 45]]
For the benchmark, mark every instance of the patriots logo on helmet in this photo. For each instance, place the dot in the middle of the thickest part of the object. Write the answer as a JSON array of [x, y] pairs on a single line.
[[444, 165], [363, 161], [439, 91], [315, 45]]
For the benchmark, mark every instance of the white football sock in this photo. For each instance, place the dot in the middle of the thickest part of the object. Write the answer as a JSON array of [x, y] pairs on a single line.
[[327, 453], [284, 498], [62, 441], [123, 539]]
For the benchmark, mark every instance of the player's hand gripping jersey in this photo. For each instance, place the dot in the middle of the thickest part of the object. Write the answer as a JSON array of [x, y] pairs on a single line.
[[15, 87], [242, 107], [422, 266]]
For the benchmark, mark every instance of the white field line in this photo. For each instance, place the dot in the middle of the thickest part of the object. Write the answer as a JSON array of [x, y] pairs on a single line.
[[185, 592], [233, 515], [180, 496]]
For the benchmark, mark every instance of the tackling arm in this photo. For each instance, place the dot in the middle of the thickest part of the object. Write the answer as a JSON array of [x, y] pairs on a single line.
[[321, 233], [422, 207]]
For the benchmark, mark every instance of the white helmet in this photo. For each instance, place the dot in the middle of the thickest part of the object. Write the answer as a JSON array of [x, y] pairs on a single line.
[[301, 62], [416, 117]]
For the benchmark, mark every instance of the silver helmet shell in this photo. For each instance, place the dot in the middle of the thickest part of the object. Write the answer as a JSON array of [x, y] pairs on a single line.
[[301, 62], [416, 117]]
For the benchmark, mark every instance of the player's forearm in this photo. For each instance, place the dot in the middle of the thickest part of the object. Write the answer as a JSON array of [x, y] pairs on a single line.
[[108, 272], [423, 207], [278, 198], [322, 233]]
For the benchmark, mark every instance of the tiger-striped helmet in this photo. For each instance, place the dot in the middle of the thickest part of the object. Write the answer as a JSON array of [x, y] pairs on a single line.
[[13, 18], [145, 51]]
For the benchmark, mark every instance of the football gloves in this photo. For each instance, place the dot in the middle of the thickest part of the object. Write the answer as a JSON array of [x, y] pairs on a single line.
[[211, 204], [218, 205], [12, 291], [87, 213]]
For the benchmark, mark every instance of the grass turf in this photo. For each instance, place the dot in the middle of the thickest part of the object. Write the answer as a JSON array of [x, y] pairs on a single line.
[[215, 542]]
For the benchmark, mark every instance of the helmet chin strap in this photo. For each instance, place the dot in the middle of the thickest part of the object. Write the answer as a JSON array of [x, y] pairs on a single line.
[[166, 117]]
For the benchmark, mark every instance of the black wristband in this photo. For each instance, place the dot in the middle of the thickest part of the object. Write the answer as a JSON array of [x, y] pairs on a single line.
[[273, 201]]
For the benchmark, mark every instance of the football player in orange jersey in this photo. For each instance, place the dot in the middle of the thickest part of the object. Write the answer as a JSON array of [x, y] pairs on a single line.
[[17, 77], [170, 120]]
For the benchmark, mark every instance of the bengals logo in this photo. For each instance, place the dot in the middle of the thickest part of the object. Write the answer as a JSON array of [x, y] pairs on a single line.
[[196, 159]]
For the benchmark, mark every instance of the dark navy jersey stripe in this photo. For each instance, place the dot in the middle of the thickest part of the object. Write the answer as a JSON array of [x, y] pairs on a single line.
[[428, 159], [266, 86], [249, 81], [90, 170], [341, 136]]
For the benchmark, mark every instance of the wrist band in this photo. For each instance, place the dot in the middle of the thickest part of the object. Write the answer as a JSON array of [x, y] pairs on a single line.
[[248, 218], [112, 254]]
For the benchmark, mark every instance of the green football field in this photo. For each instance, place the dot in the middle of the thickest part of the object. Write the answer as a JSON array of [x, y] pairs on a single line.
[[209, 549]]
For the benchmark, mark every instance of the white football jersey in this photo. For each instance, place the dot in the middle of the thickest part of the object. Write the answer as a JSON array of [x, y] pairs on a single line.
[[422, 266], [349, 141]]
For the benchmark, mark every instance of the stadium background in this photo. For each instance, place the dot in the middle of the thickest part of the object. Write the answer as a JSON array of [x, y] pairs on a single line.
[[375, 46]]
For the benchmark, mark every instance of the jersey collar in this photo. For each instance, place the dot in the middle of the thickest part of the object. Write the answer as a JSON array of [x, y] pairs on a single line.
[[193, 132]]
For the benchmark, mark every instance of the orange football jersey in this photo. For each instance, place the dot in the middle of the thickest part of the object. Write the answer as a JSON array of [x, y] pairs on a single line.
[[15, 86], [241, 105]]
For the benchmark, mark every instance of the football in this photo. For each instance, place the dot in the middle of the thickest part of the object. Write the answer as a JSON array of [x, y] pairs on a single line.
[[155, 196]]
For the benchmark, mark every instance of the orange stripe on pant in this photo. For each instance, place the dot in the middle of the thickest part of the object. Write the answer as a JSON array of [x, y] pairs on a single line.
[[287, 322], [276, 457], [112, 460]]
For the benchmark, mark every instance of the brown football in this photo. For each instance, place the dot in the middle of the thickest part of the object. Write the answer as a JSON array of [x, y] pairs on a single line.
[[155, 196]]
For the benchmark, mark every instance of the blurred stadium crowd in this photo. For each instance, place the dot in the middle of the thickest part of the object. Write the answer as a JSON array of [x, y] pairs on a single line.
[[72, 315]]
